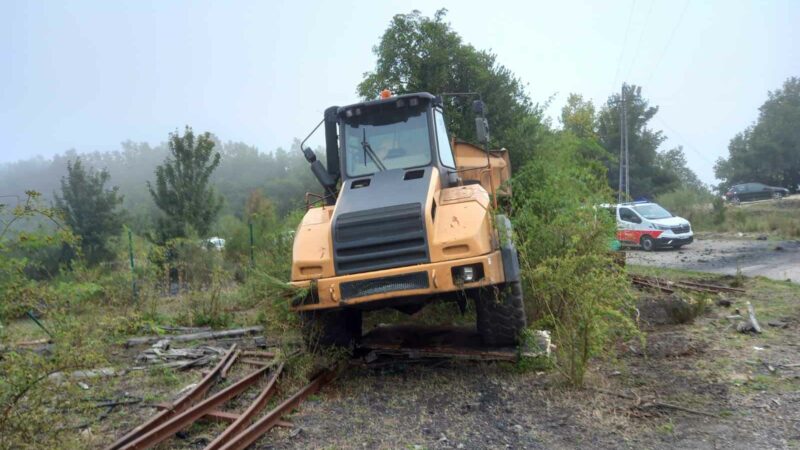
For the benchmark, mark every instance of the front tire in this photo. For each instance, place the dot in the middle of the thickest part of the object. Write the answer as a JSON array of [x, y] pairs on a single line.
[[339, 328], [500, 314], [648, 243], [777, 195]]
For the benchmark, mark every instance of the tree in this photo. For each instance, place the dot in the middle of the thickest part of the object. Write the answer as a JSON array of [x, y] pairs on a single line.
[[90, 210], [769, 150], [647, 177], [182, 190], [418, 53], [578, 116], [674, 160]]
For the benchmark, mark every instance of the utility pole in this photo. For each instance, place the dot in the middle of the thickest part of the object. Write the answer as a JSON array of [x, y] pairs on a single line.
[[624, 180]]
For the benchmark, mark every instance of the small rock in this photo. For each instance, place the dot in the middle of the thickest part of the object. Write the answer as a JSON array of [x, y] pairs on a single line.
[[460, 446], [724, 302], [442, 438], [762, 238], [701, 260], [260, 342], [778, 248], [83, 385]]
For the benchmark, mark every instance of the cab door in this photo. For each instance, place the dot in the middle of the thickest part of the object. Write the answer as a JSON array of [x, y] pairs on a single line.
[[627, 225]]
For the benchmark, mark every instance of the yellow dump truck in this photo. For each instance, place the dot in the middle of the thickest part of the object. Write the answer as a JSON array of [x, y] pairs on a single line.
[[409, 217]]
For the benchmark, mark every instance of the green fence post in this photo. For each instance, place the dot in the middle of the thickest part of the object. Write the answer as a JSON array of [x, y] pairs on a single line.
[[133, 272], [252, 245]]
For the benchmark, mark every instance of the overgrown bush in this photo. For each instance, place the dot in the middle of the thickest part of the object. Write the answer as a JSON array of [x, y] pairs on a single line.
[[39, 406], [585, 304], [571, 285], [700, 207]]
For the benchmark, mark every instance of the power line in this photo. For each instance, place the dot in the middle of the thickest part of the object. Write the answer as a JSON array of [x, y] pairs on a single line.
[[669, 41], [686, 142], [641, 35], [624, 44]]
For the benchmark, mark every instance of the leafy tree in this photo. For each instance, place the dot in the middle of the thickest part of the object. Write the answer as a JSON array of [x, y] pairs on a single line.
[[182, 190], [647, 177], [769, 150], [674, 160], [579, 117], [419, 53], [90, 209]]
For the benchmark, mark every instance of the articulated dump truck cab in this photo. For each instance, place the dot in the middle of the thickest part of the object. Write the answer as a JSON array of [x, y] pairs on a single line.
[[413, 220]]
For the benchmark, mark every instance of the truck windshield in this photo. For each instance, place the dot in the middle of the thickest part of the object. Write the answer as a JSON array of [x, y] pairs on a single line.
[[387, 141], [652, 212]]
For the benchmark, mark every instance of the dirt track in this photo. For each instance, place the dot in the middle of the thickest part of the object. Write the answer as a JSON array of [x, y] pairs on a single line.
[[778, 260]]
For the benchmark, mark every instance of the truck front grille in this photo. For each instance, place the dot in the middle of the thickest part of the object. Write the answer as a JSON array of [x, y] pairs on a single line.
[[380, 238], [405, 282]]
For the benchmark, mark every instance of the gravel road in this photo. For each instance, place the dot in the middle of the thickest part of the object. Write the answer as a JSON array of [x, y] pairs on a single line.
[[778, 260]]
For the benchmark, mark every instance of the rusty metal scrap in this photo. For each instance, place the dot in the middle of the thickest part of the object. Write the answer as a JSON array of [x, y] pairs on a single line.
[[273, 418], [177, 407], [670, 286]]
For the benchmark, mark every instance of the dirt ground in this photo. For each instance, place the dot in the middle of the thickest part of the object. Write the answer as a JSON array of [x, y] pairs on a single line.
[[775, 259], [700, 385]]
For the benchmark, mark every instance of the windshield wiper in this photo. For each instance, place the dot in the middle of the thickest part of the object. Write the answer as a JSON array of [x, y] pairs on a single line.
[[368, 151]]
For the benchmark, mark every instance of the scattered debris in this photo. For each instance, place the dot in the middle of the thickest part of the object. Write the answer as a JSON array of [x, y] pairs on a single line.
[[751, 324], [778, 324], [161, 354], [83, 374], [205, 335], [724, 302]]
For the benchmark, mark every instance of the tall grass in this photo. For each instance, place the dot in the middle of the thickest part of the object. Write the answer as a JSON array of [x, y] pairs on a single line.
[[707, 212]]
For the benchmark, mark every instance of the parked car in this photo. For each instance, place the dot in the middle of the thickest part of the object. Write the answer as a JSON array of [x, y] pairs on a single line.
[[748, 192], [650, 226]]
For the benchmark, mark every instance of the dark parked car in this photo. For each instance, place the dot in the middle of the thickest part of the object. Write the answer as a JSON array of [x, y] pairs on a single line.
[[754, 191]]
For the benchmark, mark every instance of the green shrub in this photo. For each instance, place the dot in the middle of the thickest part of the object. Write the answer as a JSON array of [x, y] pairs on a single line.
[[700, 207], [585, 304], [571, 285]]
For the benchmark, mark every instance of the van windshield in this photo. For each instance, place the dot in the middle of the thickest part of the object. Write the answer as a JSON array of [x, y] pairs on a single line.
[[652, 212]]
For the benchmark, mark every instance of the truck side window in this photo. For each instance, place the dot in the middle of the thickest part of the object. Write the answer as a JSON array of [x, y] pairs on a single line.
[[445, 152], [628, 215]]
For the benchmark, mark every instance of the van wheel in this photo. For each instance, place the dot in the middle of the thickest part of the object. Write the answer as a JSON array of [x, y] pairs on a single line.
[[500, 314], [777, 195], [736, 200], [648, 244], [338, 328]]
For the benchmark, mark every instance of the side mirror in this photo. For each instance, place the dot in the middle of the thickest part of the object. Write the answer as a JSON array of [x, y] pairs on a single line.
[[479, 108]]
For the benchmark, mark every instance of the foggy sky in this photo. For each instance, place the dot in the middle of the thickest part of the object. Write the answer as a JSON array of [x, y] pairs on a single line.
[[88, 75]]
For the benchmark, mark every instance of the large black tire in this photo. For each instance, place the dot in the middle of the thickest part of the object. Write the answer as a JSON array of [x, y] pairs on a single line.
[[334, 328], [501, 314]]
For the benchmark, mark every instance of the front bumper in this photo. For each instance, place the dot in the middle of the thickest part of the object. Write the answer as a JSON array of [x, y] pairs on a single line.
[[419, 281], [670, 241]]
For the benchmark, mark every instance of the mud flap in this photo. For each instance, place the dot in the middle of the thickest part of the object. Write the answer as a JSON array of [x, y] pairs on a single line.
[[508, 250]]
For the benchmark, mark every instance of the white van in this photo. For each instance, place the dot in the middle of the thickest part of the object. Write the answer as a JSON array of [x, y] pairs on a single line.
[[649, 226]]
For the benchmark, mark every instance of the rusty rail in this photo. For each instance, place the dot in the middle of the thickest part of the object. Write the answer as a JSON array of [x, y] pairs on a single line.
[[272, 419], [178, 406], [247, 417], [670, 286], [166, 429]]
